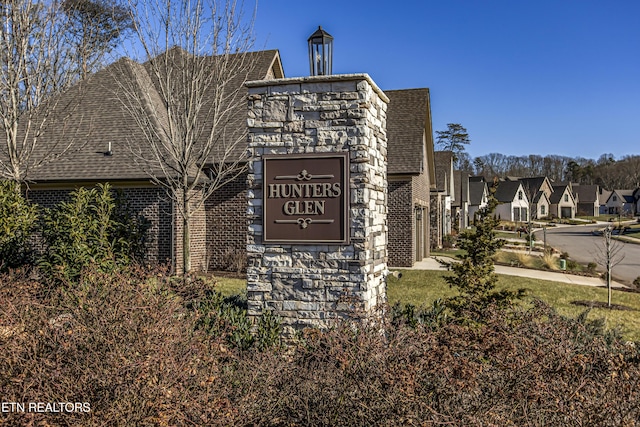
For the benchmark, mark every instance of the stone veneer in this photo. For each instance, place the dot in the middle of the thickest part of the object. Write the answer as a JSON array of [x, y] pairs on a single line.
[[311, 285]]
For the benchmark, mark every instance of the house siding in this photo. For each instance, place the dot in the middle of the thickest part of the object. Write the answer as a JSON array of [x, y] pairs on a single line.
[[227, 226], [421, 198], [150, 202], [401, 223]]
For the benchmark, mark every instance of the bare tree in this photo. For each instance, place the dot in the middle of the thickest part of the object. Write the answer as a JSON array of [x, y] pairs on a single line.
[[192, 88], [608, 256], [38, 67], [93, 29], [33, 69]]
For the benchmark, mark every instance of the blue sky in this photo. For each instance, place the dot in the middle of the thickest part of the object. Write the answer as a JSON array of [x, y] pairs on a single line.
[[524, 77]]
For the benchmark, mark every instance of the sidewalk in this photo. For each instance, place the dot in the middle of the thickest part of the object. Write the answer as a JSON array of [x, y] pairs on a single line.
[[432, 264]]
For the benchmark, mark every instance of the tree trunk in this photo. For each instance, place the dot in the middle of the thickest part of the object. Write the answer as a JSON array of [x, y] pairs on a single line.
[[186, 235]]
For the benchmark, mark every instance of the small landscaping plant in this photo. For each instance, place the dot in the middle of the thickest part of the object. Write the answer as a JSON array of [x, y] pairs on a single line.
[[17, 221], [474, 275]]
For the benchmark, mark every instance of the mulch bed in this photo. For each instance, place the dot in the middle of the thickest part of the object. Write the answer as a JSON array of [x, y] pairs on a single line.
[[602, 304]]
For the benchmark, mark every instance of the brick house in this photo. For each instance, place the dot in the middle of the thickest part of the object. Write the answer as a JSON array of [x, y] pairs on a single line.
[[410, 174], [105, 134]]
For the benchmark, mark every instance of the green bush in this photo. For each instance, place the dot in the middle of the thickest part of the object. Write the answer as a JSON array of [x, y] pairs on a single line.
[[93, 228], [474, 275], [17, 221], [227, 317]]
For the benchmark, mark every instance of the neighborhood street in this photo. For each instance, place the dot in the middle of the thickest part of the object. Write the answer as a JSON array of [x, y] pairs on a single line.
[[583, 246]]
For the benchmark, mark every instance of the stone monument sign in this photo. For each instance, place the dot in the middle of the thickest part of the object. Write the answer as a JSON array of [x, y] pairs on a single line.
[[317, 200]]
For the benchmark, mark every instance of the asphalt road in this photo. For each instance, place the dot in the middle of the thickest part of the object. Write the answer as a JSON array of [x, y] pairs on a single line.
[[582, 246]]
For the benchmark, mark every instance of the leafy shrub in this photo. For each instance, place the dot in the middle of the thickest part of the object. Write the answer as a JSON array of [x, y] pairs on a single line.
[[413, 316], [17, 221], [637, 281], [220, 316], [92, 229]]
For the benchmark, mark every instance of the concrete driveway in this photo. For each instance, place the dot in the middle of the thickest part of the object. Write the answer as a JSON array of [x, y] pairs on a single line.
[[583, 246]]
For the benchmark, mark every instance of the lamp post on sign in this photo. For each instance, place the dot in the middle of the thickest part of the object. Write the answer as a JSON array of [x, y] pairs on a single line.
[[320, 53]]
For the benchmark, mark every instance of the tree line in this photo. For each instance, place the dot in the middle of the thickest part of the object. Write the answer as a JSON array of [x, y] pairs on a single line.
[[606, 171]]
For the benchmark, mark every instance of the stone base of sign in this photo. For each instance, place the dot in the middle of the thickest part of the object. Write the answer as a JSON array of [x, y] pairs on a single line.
[[312, 285]]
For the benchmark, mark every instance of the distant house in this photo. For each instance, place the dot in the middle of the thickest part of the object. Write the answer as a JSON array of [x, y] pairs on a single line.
[[442, 197], [538, 189], [588, 199], [513, 202], [460, 204], [562, 201], [621, 202], [636, 196], [478, 198], [602, 199], [411, 175]]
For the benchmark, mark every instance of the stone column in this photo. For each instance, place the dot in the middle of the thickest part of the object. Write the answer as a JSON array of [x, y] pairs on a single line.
[[310, 284]]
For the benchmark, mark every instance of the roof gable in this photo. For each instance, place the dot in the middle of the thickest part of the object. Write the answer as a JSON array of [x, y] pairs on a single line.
[[478, 192], [408, 131], [586, 193], [101, 120], [625, 196], [558, 193], [507, 191]]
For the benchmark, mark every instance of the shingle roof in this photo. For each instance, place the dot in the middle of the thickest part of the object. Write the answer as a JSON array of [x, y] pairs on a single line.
[[534, 183], [408, 122], [99, 118], [443, 161], [558, 191], [604, 196], [476, 190], [627, 195], [586, 193], [506, 191]]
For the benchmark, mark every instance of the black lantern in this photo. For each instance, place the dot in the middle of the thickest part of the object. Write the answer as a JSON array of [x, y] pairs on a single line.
[[320, 53]]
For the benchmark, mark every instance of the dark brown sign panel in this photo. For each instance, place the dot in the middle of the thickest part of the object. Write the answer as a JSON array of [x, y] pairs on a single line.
[[306, 198]]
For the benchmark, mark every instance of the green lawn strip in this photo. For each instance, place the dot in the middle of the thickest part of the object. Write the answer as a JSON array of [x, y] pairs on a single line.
[[230, 286], [422, 287]]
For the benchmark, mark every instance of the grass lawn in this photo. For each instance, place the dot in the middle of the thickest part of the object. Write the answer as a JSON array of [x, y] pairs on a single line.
[[634, 232], [422, 287]]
